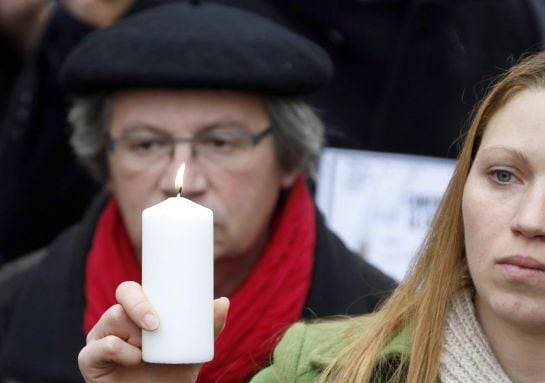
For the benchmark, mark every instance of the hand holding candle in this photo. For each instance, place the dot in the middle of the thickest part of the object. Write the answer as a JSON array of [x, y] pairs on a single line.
[[177, 277]]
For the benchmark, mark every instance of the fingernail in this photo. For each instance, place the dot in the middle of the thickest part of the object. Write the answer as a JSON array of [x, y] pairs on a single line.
[[150, 322]]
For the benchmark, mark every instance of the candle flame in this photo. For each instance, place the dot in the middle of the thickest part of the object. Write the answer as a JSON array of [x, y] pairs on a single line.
[[179, 183]]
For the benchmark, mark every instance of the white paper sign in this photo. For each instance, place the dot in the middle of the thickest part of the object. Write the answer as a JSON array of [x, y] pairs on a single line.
[[381, 204]]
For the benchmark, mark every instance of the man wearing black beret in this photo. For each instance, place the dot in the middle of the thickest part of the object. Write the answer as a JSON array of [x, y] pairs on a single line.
[[218, 89]]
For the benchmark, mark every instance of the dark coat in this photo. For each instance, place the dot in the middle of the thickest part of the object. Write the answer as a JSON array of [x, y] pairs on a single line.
[[42, 302], [408, 72], [34, 148]]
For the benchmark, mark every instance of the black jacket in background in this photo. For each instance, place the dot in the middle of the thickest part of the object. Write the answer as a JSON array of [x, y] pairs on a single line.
[[408, 72], [43, 189]]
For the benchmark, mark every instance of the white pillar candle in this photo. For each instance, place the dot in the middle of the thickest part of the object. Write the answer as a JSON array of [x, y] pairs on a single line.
[[177, 278]]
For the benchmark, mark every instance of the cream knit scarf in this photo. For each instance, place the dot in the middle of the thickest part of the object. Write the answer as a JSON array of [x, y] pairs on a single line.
[[466, 356]]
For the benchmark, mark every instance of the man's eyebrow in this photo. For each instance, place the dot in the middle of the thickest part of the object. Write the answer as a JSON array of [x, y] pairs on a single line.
[[150, 127], [224, 124], [143, 126], [502, 149]]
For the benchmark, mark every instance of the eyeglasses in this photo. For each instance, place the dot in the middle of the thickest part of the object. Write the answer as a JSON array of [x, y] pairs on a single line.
[[226, 147]]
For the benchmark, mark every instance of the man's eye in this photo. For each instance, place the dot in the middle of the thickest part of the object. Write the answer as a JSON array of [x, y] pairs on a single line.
[[146, 145], [217, 141], [503, 176], [220, 141]]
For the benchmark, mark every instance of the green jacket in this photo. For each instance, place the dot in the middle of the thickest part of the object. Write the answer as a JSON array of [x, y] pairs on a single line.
[[306, 349]]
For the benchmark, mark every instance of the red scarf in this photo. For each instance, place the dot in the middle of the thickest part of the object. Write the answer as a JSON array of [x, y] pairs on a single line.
[[110, 261], [263, 306]]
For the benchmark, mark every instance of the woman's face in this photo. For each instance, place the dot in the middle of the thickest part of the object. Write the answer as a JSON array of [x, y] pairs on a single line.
[[504, 215]]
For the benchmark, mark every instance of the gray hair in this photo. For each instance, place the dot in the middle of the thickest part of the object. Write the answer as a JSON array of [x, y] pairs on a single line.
[[298, 133], [89, 117]]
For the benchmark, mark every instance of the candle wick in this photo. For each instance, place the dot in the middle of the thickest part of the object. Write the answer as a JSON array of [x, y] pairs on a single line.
[[180, 192]]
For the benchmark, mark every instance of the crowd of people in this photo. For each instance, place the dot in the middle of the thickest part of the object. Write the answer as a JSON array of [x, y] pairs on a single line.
[[112, 96]]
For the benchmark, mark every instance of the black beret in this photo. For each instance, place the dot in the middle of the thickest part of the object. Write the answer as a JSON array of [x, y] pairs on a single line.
[[185, 45]]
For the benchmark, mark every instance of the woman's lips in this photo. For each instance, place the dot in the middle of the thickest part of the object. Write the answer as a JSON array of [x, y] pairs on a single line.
[[522, 261], [521, 267]]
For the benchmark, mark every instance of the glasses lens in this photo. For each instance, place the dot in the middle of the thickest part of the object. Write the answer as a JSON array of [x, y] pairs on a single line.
[[141, 148], [224, 147]]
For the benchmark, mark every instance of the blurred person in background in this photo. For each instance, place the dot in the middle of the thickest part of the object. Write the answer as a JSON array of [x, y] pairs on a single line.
[[20, 22], [409, 72], [34, 132]]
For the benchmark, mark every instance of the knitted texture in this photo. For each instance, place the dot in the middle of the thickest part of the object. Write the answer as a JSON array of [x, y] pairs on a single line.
[[466, 355]]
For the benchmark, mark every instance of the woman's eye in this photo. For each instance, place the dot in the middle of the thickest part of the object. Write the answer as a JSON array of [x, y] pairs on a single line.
[[503, 176]]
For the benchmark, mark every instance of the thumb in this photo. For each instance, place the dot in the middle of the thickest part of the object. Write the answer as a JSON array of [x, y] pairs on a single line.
[[221, 307]]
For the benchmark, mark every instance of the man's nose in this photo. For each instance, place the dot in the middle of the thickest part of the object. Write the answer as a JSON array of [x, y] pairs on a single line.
[[193, 179], [529, 217], [181, 154]]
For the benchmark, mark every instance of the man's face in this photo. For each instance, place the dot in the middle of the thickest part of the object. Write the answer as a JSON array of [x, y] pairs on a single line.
[[241, 186]]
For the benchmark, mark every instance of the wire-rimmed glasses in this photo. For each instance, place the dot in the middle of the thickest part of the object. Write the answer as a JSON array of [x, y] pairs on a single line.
[[226, 147]]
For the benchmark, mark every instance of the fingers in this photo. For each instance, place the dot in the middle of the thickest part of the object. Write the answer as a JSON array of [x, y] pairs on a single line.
[[221, 307], [101, 357], [131, 296], [110, 349], [115, 340], [139, 310], [115, 322]]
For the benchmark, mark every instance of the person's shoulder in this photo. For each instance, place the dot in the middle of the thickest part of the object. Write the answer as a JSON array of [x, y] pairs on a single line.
[[305, 350], [13, 278], [17, 274], [317, 342], [13, 273]]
